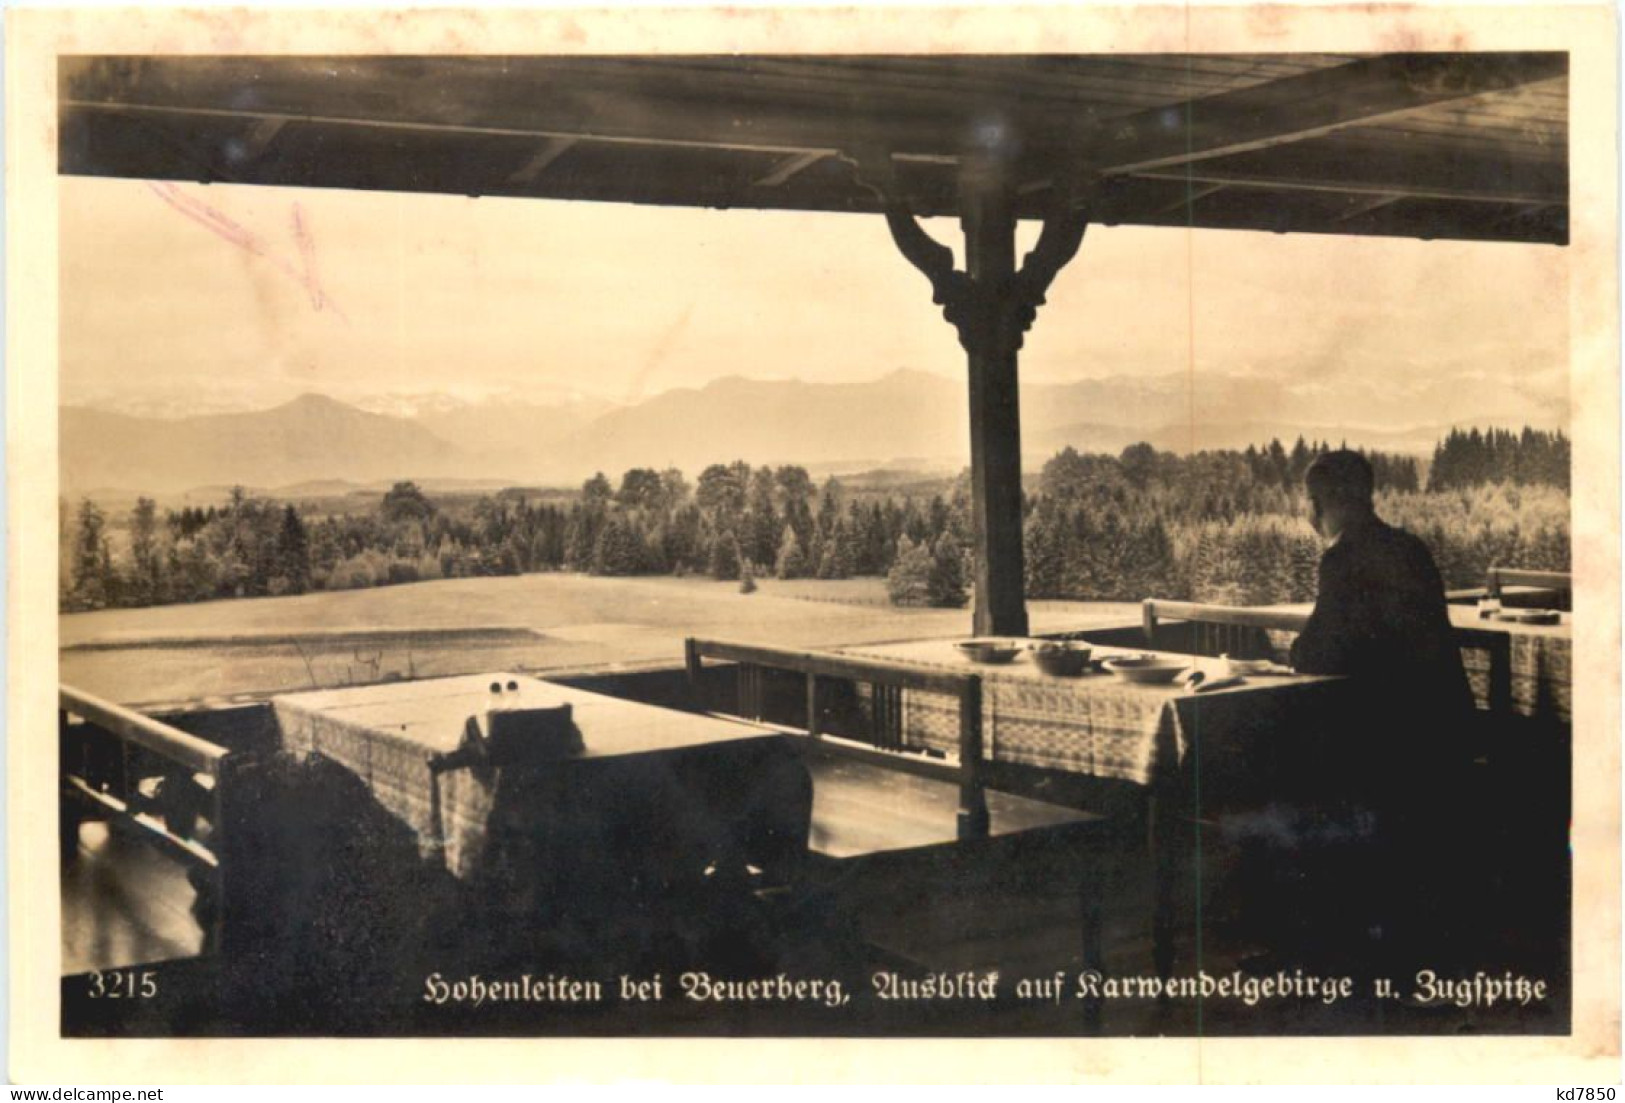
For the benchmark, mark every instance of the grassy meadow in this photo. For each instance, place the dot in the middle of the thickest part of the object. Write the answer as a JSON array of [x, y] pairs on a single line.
[[535, 622]]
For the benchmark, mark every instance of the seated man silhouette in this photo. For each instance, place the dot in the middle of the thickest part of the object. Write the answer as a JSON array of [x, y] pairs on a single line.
[[1380, 613], [1377, 852]]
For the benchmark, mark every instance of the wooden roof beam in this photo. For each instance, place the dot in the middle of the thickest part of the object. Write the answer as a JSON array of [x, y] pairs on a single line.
[[785, 169], [1528, 211], [1312, 105], [260, 138], [551, 151], [1367, 205], [1492, 189], [654, 137], [1190, 198]]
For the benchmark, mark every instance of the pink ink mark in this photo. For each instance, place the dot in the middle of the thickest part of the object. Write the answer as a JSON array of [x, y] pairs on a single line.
[[307, 254], [239, 235]]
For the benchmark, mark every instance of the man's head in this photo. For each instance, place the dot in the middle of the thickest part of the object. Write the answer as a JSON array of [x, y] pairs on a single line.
[[1340, 485]]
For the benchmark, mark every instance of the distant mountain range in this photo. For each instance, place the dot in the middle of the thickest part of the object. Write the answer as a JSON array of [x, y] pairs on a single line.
[[907, 419]]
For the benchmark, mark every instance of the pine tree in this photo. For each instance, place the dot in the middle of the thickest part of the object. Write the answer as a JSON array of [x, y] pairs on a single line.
[[945, 582], [1045, 552], [91, 575], [790, 563], [908, 581], [759, 536], [723, 561], [1303, 569], [147, 562], [619, 550], [836, 559], [293, 553], [581, 540]]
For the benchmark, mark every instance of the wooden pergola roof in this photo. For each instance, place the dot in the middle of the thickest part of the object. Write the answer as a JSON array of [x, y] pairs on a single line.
[[1470, 146]]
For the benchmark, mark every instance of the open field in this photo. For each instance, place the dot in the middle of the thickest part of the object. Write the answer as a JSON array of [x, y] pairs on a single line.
[[537, 623]]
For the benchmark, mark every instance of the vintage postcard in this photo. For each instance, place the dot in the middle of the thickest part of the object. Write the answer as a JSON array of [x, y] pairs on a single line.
[[901, 544]]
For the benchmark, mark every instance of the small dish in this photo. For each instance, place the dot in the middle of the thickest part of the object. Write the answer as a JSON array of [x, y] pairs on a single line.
[[988, 651], [1146, 669], [1062, 660]]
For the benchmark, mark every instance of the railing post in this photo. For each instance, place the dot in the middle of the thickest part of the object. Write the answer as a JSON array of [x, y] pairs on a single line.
[[1148, 621], [67, 815], [812, 704], [694, 667], [973, 817], [220, 843]]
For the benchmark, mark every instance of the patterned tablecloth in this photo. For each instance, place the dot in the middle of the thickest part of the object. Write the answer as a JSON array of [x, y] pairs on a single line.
[[385, 734], [1095, 724]]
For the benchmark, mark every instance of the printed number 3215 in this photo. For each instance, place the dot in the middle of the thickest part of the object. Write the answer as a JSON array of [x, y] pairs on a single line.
[[124, 984]]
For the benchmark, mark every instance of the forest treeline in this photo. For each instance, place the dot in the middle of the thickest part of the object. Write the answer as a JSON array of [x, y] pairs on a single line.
[[1214, 526]]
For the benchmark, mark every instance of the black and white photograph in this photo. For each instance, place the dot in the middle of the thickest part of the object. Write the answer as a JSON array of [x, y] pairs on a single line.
[[1083, 533]]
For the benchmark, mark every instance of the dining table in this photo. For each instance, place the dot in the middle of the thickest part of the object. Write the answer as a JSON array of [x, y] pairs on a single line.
[[648, 797], [1194, 756], [1541, 662], [1104, 726]]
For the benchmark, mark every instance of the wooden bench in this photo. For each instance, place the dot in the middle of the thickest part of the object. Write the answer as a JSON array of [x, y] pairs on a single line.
[[862, 808], [905, 839], [889, 680]]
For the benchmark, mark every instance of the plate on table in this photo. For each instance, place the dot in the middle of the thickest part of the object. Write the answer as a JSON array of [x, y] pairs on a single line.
[[1146, 669], [1529, 616], [989, 651]]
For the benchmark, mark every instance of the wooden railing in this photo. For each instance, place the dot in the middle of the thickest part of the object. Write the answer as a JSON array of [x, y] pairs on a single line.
[[1219, 629], [106, 751], [1545, 587], [1219, 626], [890, 680]]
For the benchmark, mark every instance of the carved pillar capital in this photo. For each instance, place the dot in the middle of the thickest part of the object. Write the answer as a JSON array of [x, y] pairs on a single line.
[[990, 316]]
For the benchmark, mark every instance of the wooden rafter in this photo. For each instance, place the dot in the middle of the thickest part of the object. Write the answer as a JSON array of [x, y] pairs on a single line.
[[1492, 191], [1367, 205], [551, 151], [791, 165], [1313, 105], [1191, 198], [1462, 133], [260, 138]]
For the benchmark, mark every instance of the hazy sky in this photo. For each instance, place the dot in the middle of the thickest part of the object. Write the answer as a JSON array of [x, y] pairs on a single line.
[[238, 295]]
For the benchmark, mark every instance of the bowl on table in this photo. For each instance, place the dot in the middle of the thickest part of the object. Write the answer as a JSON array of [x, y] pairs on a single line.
[[1063, 660], [988, 651], [1146, 669]]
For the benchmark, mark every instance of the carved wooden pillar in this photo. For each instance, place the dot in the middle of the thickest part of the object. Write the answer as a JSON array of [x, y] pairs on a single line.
[[991, 305], [988, 217]]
